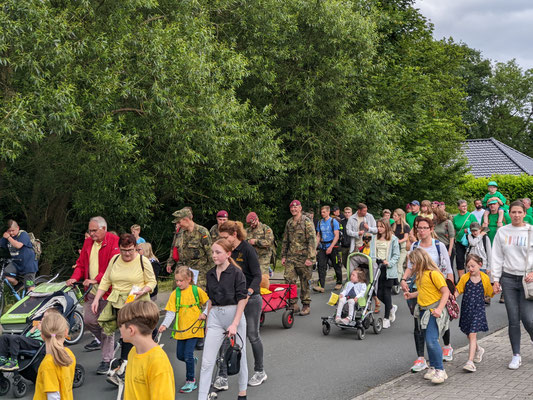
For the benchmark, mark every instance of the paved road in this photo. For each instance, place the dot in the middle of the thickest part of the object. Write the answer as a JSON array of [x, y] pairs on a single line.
[[301, 363]]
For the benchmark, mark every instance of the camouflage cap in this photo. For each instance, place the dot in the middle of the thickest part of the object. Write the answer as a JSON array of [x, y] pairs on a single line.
[[180, 214]]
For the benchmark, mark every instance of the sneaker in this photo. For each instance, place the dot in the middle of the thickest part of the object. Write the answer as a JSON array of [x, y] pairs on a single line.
[[10, 365], [318, 289], [116, 379], [189, 386], [392, 315], [440, 376], [469, 366], [447, 353], [306, 309], [516, 362], [221, 383], [386, 323], [338, 286], [103, 368], [94, 345], [419, 365], [338, 320], [199, 344], [258, 378], [3, 360], [479, 354], [429, 375]]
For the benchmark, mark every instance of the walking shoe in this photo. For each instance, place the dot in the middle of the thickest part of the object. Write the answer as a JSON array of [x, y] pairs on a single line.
[[392, 315], [469, 366], [103, 368], [295, 308], [447, 353], [419, 365], [306, 310], [318, 289], [94, 345], [440, 376], [338, 320], [189, 386], [221, 383], [10, 365], [516, 362], [386, 323], [479, 354], [429, 375], [258, 378], [338, 286], [199, 344], [3, 360]]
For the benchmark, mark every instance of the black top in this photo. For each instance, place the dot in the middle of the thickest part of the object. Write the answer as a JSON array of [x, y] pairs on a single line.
[[398, 231], [229, 290], [246, 256]]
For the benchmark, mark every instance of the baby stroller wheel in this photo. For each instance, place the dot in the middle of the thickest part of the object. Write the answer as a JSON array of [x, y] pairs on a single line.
[[326, 328], [5, 385], [20, 388], [287, 319], [377, 325], [262, 319], [79, 376], [360, 333], [77, 328]]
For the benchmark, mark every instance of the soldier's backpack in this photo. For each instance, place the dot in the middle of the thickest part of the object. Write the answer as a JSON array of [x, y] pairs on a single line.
[[36, 244]]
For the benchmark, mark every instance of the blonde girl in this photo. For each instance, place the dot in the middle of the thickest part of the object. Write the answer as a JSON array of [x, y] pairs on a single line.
[[426, 209], [56, 372], [432, 294]]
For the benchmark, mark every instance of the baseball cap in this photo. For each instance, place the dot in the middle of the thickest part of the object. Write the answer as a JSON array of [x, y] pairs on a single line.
[[492, 183], [415, 202], [180, 214], [251, 217], [474, 226], [492, 202], [295, 203], [222, 214]]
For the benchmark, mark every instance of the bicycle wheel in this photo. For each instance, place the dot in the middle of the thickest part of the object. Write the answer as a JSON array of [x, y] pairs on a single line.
[[76, 328]]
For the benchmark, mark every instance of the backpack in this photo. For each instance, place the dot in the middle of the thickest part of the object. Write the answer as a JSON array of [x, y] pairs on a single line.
[[437, 245], [36, 244], [179, 305], [332, 230]]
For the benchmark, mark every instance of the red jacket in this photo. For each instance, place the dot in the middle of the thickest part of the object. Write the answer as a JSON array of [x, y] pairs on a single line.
[[107, 251]]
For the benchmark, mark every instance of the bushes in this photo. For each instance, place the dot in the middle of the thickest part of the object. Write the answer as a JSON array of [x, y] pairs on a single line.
[[511, 186]]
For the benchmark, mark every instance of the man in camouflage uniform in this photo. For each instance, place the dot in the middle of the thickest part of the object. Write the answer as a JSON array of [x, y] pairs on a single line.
[[261, 237], [298, 254], [222, 216], [194, 245]]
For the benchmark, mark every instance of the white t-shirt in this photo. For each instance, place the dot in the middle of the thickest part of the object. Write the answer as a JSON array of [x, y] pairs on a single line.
[[444, 263]]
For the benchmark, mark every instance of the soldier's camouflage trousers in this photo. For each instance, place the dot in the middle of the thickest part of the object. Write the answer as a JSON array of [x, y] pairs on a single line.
[[295, 268]]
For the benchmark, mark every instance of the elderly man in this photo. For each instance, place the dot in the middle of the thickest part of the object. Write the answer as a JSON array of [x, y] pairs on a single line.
[[96, 253], [360, 223], [298, 254], [527, 204], [261, 237], [222, 216]]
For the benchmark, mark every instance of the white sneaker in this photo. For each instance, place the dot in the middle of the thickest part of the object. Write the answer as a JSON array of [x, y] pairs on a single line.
[[516, 362], [221, 383], [392, 316], [429, 375], [440, 376], [386, 323], [419, 365], [258, 378]]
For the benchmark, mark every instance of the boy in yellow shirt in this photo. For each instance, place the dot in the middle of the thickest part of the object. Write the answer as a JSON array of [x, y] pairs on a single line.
[[185, 305], [149, 374]]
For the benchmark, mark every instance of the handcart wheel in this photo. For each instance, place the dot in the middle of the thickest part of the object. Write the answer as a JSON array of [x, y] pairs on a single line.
[[326, 328], [76, 330], [20, 389], [262, 319], [287, 319], [360, 334], [79, 376], [377, 325], [5, 385]]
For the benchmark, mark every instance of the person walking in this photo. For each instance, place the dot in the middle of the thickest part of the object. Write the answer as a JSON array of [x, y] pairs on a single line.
[[512, 263], [345, 239], [413, 213], [461, 223], [445, 231], [261, 237], [222, 216], [327, 236], [360, 223], [401, 230]]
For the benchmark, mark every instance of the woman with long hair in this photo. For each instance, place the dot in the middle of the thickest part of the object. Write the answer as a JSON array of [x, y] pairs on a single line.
[[401, 230]]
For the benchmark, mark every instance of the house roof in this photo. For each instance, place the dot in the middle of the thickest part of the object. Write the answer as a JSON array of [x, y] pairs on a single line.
[[487, 157]]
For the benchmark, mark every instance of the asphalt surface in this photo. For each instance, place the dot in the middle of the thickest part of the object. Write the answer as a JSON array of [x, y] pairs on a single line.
[[302, 363]]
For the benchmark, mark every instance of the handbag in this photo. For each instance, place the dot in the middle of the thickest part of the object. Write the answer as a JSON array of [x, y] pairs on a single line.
[[528, 286], [451, 303], [233, 356]]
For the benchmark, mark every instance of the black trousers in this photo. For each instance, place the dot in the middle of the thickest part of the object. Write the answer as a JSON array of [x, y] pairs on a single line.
[[322, 258], [385, 291], [460, 254], [11, 345]]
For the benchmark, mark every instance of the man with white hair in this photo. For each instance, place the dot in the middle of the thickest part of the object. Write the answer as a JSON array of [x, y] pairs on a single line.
[[98, 249], [527, 204]]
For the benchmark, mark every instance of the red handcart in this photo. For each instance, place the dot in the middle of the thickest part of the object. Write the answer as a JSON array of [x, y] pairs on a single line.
[[280, 299]]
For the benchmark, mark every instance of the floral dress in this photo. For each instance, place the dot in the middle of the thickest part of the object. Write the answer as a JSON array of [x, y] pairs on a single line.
[[473, 318]]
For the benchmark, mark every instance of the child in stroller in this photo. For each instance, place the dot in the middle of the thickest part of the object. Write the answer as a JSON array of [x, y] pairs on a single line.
[[353, 290]]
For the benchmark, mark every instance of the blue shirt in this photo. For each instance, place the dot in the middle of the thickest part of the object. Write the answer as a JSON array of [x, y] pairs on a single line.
[[140, 240], [23, 258], [326, 233]]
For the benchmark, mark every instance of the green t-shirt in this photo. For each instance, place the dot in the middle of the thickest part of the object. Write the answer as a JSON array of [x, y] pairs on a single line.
[[410, 218], [530, 211], [462, 222], [496, 194]]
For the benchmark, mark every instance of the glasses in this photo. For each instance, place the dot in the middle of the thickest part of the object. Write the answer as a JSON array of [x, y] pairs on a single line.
[[128, 250], [423, 228]]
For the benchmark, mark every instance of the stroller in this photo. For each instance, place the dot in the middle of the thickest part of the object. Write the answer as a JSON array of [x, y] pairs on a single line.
[[364, 314], [66, 300]]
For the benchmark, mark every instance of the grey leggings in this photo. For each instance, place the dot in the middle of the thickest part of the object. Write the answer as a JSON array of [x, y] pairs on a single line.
[[218, 322], [518, 308]]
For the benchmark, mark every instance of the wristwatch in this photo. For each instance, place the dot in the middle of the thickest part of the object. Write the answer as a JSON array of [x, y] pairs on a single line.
[[250, 292]]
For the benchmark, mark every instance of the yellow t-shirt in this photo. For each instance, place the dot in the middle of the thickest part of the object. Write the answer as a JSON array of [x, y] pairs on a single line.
[[187, 315], [123, 275], [93, 263], [149, 376], [429, 287], [53, 378]]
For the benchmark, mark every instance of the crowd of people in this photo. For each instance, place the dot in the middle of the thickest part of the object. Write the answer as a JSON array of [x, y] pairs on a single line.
[[217, 300]]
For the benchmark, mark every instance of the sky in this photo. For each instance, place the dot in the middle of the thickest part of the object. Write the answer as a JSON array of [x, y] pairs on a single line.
[[500, 29]]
